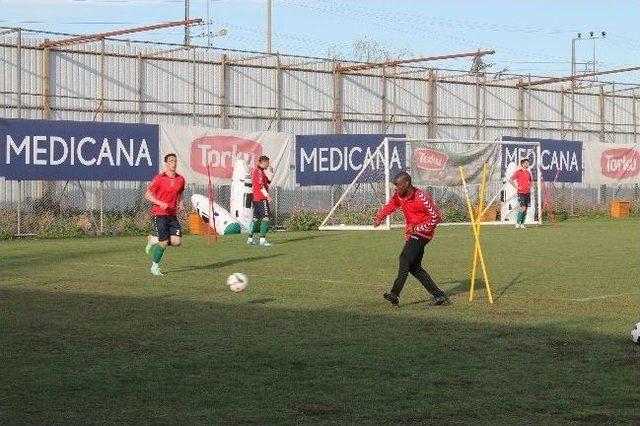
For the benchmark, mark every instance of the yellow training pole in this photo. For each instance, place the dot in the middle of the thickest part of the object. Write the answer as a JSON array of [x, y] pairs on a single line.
[[482, 193], [475, 234]]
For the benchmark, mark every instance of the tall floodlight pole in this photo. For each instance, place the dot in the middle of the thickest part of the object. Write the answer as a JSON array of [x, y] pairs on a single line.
[[268, 26], [573, 51]]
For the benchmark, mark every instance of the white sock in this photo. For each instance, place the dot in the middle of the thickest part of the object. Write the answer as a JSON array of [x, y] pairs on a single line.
[[263, 240], [250, 239], [154, 265], [153, 240]]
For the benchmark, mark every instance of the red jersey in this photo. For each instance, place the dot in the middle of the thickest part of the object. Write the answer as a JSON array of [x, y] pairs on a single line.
[[166, 189], [523, 179], [420, 213], [260, 183]]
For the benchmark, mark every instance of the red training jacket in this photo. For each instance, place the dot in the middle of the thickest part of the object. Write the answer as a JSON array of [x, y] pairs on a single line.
[[524, 179], [166, 189], [420, 213], [259, 181]]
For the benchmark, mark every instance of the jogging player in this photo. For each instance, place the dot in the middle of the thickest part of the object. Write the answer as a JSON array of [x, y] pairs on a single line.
[[165, 195], [421, 217]]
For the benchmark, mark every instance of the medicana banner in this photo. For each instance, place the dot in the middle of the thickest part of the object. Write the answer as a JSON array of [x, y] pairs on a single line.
[[607, 163], [77, 150], [197, 147], [337, 159], [439, 164], [560, 160]]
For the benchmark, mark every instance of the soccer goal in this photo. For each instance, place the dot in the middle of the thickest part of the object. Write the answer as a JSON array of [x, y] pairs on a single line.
[[434, 165]]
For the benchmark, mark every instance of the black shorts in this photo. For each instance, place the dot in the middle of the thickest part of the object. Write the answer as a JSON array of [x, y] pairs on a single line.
[[524, 200], [167, 226], [260, 209]]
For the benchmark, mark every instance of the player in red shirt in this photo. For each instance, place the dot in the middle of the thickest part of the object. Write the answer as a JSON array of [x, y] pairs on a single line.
[[261, 200], [165, 195], [421, 215], [522, 180]]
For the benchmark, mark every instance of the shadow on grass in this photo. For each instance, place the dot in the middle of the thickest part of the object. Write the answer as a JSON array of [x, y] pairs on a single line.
[[515, 280], [461, 287], [221, 264], [150, 360], [46, 256], [302, 238]]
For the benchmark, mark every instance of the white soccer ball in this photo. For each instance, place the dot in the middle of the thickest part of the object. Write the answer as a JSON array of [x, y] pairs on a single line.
[[237, 282], [635, 333]]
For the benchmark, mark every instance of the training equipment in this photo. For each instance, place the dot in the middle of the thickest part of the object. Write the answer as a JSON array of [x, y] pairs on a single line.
[[237, 281], [224, 222], [635, 333], [241, 195], [434, 167]]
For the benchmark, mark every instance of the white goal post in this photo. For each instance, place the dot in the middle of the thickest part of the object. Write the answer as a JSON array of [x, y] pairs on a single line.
[[433, 165]]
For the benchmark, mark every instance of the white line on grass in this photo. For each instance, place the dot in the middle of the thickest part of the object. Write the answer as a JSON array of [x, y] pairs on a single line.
[[605, 296], [316, 280]]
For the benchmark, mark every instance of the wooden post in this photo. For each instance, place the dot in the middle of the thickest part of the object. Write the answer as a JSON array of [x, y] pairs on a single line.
[[140, 70], [432, 120], [279, 93], [602, 114], [224, 114], [46, 82], [19, 74], [520, 112], [383, 102], [337, 99], [634, 115]]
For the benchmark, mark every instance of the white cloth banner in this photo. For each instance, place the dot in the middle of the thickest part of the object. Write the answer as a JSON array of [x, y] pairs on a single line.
[[608, 163], [198, 146]]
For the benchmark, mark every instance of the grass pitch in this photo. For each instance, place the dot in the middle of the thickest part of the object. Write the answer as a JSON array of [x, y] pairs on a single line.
[[88, 336]]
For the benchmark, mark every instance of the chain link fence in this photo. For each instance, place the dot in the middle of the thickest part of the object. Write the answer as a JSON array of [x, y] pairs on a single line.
[[80, 208], [77, 208]]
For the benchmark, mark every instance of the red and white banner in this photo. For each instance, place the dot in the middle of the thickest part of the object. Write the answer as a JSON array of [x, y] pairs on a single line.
[[198, 146], [607, 163]]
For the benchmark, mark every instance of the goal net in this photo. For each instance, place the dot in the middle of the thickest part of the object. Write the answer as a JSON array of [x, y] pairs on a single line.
[[434, 166]]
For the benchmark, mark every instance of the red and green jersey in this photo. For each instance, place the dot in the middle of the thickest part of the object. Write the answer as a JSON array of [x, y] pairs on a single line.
[[260, 183], [166, 189], [523, 180]]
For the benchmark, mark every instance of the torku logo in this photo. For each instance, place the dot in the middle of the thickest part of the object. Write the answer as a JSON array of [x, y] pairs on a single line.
[[620, 163], [430, 159], [221, 152]]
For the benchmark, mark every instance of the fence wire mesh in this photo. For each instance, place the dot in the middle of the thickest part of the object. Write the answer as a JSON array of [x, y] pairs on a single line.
[[78, 208]]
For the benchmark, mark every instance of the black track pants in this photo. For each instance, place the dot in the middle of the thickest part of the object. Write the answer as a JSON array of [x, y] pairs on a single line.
[[411, 262]]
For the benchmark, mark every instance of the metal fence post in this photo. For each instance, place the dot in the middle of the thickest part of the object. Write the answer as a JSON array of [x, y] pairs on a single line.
[[19, 232], [101, 207], [275, 207]]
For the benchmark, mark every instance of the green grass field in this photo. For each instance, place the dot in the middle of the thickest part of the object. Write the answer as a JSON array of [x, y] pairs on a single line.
[[88, 336]]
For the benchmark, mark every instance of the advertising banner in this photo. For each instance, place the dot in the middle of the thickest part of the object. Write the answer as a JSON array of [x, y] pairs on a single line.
[[561, 161], [337, 159], [76, 150]]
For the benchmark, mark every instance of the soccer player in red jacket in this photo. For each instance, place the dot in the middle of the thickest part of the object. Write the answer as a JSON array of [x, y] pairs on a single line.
[[421, 216], [522, 181], [261, 200], [165, 195]]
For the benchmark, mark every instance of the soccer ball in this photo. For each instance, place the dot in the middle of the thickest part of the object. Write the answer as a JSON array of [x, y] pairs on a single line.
[[635, 333], [237, 282]]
